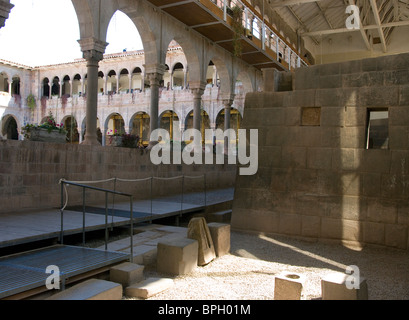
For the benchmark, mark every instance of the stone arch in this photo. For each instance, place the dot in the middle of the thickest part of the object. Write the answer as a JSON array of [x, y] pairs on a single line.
[[224, 71], [66, 85], [123, 80], [137, 79], [76, 84], [194, 52], [15, 85], [244, 77], [10, 127], [55, 87], [139, 125], [4, 81], [101, 82], [178, 75], [166, 120], [111, 82], [71, 126], [114, 124], [45, 84], [84, 129], [145, 20], [204, 118]]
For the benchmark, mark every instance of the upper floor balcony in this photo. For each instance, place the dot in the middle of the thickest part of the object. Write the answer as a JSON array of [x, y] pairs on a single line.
[[235, 23]]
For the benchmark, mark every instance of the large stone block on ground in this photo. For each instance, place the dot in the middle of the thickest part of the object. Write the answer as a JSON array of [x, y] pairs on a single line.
[[92, 289], [149, 287], [220, 233], [177, 256], [198, 230], [334, 287], [288, 286], [126, 273]]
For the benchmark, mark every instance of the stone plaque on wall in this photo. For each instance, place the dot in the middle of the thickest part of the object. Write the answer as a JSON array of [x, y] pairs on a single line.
[[311, 116]]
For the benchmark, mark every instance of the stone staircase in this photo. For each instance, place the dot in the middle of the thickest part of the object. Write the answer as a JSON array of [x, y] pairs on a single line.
[[127, 278]]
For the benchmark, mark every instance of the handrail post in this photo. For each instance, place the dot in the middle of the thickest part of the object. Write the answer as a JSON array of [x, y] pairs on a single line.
[[205, 189], [131, 209], [181, 202], [83, 216], [224, 10], [106, 221], [62, 213], [151, 199]]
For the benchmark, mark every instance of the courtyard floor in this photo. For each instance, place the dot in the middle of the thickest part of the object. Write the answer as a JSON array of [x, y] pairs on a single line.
[[248, 271]]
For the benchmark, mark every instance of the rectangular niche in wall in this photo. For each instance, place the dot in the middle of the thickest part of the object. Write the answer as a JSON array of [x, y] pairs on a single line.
[[311, 116], [377, 131]]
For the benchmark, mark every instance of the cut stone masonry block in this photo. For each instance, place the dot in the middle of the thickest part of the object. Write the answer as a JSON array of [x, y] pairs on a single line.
[[126, 273], [220, 233], [198, 230], [334, 287], [177, 256], [288, 286], [149, 287]]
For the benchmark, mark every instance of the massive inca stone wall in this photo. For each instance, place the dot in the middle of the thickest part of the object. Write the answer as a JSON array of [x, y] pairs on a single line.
[[316, 179], [30, 173]]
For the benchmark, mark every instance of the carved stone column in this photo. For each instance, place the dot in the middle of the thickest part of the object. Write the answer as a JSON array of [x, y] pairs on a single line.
[[197, 107], [92, 50], [154, 75], [227, 108]]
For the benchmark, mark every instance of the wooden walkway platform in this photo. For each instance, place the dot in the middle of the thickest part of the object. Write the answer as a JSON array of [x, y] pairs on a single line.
[[24, 272], [25, 227]]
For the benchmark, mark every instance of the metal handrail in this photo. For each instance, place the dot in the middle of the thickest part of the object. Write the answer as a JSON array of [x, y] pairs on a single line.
[[64, 182]]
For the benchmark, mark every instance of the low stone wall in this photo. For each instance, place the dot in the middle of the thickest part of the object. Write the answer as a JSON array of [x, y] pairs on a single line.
[[316, 179], [30, 174]]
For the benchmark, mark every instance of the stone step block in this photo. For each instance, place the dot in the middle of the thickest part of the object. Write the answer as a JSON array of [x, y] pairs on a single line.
[[126, 273], [177, 256], [334, 287], [92, 289], [288, 286], [143, 254], [220, 216], [148, 288], [220, 233]]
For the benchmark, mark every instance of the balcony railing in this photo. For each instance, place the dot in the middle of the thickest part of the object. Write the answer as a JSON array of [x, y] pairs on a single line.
[[260, 29]]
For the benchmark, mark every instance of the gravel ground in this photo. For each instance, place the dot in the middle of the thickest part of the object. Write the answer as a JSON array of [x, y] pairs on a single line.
[[248, 272]]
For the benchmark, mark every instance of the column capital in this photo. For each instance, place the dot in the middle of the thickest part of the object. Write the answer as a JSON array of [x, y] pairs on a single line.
[[154, 78], [92, 49], [5, 8], [154, 68], [197, 92], [197, 85], [228, 100]]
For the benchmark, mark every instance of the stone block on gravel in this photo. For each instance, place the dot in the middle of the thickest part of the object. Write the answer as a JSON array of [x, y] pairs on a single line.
[[198, 230], [334, 287], [220, 233], [149, 287], [177, 256], [126, 273], [288, 286]]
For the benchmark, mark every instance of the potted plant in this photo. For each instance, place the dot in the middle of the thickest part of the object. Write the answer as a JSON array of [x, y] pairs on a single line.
[[48, 131], [31, 102]]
